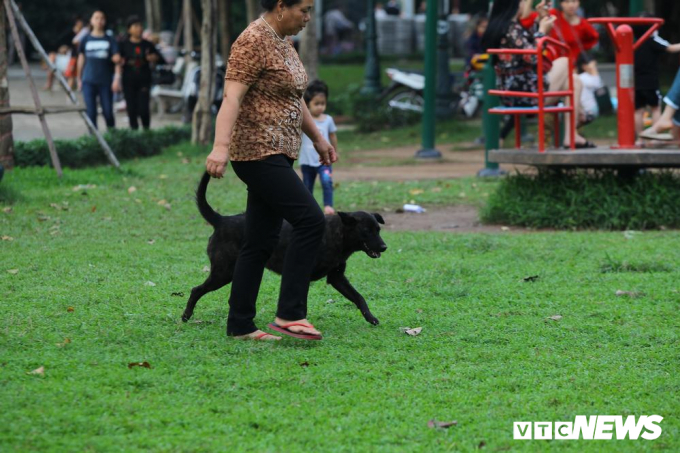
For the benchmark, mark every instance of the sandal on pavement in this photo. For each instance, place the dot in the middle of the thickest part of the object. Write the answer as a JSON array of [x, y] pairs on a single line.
[[285, 329]]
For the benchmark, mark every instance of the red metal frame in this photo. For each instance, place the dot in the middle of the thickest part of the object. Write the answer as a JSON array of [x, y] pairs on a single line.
[[625, 47], [541, 109]]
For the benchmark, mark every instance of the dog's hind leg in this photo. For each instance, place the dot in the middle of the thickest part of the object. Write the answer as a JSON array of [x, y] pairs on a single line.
[[337, 280], [217, 279]]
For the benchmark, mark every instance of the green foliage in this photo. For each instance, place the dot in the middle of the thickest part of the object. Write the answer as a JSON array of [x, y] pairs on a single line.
[[579, 199], [85, 151]]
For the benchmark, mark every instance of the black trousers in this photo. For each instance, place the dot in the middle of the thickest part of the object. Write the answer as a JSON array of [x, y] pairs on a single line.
[[137, 95], [275, 193]]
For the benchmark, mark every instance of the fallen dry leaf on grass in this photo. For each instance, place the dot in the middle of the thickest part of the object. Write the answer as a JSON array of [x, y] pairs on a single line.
[[163, 177], [151, 241], [633, 294], [504, 228], [206, 268], [139, 364], [185, 161], [165, 204], [555, 317], [7, 210], [13, 271], [64, 343], [84, 187], [304, 364], [436, 189], [149, 284], [70, 309], [411, 331], [7, 238], [38, 371], [132, 189], [437, 424], [416, 191]]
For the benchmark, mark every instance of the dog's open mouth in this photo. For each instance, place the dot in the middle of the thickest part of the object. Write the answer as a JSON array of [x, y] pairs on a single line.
[[370, 252]]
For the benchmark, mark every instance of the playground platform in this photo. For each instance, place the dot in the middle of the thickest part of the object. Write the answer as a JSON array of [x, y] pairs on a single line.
[[601, 157]]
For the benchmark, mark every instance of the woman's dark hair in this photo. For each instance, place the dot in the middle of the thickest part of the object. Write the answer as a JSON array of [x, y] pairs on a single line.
[[314, 88], [503, 13], [132, 20], [269, 5], [583, 59]]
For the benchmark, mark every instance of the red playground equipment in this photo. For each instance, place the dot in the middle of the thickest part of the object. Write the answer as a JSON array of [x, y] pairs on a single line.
[[541, 109], [624, 45]]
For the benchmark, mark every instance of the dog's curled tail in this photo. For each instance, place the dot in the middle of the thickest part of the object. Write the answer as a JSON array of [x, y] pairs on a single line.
[[208, 213]]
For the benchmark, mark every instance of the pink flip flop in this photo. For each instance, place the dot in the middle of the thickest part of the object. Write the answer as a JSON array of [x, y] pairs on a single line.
[[284, 329]]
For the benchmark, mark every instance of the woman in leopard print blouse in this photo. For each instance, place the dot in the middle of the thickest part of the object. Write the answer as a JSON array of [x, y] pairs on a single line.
[[259, 129]]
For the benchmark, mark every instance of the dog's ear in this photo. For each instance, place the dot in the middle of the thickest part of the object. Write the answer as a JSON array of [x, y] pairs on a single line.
[[379, 218], [347, 219]]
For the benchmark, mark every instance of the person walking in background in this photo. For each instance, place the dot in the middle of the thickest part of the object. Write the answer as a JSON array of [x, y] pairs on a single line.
[[97, 61], [259, 129], [316, 98], [137, 56], [65, 46]]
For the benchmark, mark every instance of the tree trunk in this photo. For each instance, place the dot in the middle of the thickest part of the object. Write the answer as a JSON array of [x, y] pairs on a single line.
[[309, 50], [224, 12], [253, 9], [153, 15], [202, 130], [188, 28], [6, 140]]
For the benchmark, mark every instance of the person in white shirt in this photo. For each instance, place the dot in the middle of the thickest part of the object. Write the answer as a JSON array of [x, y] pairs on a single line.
[[591, 80], [316, 98]]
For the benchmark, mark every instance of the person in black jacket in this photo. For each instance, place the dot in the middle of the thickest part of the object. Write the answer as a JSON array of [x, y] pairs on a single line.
[[137, 56]]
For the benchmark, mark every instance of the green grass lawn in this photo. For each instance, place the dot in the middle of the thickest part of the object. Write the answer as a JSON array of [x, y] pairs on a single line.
[[110, 269]]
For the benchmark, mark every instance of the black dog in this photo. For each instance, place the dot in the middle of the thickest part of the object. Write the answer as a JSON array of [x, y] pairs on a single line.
[[345, 234]]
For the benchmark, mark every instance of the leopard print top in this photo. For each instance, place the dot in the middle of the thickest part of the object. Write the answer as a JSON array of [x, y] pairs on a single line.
[[270, 119]]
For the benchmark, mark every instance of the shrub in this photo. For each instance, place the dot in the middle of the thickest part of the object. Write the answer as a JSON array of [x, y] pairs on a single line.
[[586, 200], [85, 151]]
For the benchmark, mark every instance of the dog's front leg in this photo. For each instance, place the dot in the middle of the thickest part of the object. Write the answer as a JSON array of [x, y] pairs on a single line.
[[338, 281]]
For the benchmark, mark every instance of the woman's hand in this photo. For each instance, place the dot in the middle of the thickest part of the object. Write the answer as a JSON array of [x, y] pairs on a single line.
[[115, 86], [327, 154], [546, 24], [216, 162], [543, 9]]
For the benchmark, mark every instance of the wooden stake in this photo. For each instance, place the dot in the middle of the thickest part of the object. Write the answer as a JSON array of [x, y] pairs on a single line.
[[34, 91], [19, 18]]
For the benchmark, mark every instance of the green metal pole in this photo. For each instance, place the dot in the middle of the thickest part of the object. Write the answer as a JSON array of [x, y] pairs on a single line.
[[636, 7], [429, 114], [491, 124], [372, 71]]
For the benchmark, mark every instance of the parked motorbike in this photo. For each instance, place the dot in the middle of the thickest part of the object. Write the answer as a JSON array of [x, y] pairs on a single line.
[[406, 92]]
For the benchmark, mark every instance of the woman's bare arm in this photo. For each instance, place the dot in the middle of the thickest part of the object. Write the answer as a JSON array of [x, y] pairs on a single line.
[[234, 92]]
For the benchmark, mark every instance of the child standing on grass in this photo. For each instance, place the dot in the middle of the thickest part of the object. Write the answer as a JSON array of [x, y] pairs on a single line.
[[316, 98]]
